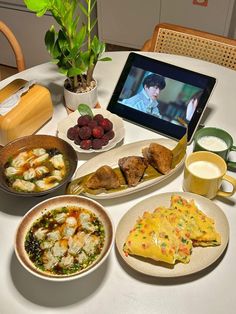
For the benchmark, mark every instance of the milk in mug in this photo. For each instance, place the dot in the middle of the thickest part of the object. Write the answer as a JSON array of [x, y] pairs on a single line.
[[204, 169], [212, 143]]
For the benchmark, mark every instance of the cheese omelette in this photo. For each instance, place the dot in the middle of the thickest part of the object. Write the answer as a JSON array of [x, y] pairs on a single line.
[[169, 234]]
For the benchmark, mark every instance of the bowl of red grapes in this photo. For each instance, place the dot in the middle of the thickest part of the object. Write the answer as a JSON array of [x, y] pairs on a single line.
[[96, 130]]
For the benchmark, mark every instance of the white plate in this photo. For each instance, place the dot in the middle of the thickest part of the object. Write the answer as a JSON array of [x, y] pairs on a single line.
[[200, 258], [111, 159], [71, 120]]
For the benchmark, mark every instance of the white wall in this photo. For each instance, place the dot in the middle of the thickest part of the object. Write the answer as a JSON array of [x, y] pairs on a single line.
[[214, 18], [29, 30], [131, 22], [232, 28], [121, 22]]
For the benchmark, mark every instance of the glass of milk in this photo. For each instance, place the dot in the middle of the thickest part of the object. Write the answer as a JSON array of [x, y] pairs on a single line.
[[217, 141]]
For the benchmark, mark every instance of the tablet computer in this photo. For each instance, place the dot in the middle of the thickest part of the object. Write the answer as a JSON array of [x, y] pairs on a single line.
[[160, 96]]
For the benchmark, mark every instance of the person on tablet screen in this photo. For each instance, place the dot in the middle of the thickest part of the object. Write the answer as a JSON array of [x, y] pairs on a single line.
[[146, 99], [192, 105]]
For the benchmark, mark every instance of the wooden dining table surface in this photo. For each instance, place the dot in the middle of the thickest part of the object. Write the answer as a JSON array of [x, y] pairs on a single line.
[[115, 288]]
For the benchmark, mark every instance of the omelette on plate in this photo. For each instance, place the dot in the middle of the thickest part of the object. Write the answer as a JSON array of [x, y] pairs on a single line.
[[200, 227], [169, 234]]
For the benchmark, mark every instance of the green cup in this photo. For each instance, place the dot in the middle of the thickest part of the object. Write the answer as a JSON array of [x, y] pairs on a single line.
[[216, 141]]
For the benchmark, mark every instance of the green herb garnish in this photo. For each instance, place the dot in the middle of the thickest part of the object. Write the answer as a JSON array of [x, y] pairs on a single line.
[[85, 110]]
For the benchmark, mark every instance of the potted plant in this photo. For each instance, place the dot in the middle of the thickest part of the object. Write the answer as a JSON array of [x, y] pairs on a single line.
[[73, 48]]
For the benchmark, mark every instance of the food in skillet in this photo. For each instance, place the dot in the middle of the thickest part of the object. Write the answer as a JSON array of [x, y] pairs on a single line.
[[169, 234], [65, 240], [36, 169]]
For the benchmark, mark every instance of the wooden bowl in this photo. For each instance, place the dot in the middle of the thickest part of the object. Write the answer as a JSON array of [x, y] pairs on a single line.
[[36, 141], [49, 205]]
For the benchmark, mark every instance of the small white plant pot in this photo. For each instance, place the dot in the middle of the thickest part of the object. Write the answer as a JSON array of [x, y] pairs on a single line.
[[73, 100]]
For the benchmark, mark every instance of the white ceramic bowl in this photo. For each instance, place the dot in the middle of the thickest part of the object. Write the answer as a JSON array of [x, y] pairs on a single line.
[[71, 120], [54, 203]]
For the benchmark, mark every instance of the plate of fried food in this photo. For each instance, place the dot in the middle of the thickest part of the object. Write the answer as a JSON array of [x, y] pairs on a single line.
[[172, 234], [128, 169]]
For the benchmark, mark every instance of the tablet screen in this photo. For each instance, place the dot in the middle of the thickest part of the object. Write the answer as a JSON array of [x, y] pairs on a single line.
[[161, 96]]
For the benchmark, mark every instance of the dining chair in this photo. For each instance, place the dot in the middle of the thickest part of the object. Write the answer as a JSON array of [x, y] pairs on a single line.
[[179, 40], [19, 57]]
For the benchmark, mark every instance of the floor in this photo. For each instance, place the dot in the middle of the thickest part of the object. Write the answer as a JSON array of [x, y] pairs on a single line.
[[6, 71]]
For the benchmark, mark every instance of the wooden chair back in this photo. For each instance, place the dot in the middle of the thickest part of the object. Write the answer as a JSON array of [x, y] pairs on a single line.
[[19, 57], [174, 39]]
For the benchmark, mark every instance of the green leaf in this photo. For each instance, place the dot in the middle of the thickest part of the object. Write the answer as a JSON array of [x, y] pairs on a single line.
[[95, 45], [93, 24], [74, 25], [68, 20], [55, 61], [42, 12], [74, 72], [62, 41], [74, 5], [50, 39], [38, 5], [80, 37], [73, 53], [93, 5], [105, 59], [55, 51], [103, 48], [85, 109], [63, 71], [83, 9]]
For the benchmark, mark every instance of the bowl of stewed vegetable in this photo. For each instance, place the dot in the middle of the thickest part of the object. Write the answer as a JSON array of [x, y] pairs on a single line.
[[36, 165], [64, 238]]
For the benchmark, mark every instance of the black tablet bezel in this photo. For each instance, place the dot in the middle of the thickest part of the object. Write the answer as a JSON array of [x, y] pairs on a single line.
[[167, 70]]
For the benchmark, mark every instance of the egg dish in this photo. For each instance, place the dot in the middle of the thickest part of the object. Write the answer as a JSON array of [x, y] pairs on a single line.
[[169, 234]]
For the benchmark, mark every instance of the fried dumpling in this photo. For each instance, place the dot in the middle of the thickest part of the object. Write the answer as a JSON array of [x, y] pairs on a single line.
[[133, 168], [158, 156], [103, 177]]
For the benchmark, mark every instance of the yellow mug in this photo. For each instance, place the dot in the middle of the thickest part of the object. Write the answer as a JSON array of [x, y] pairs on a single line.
[[203, 174]]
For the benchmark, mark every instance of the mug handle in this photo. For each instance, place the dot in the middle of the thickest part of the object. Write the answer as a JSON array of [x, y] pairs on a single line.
[[232, 164], [232, 181]]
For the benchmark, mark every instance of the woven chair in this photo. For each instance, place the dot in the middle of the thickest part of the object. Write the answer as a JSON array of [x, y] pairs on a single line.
[[178, 40], [20, 62]]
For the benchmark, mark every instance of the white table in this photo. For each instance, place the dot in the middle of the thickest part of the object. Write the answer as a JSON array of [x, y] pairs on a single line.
[[114, 287]]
